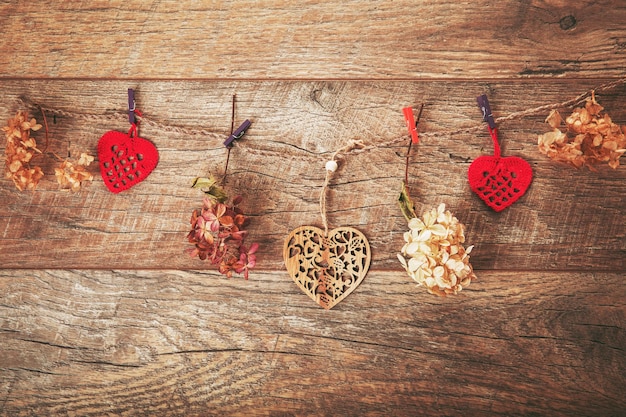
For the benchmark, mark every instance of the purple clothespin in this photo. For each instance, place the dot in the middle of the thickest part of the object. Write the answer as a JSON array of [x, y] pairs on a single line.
[[238, 133], [483, 103], [131, 106]]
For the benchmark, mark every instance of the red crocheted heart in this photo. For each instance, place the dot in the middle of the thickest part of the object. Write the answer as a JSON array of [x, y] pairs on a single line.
[[499, 182], [124, 160]]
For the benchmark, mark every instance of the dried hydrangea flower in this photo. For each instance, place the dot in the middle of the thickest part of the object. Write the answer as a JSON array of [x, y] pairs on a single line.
[[589, 138], [20, 150], [434, 255], [218, 236], [71, 175]]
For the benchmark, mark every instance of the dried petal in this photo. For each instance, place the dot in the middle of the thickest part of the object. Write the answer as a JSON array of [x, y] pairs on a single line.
[[71, 175], [554, 119], [211, 188]]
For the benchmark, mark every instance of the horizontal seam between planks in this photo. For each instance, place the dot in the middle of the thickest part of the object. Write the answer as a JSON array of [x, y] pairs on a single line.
[[335, 79]]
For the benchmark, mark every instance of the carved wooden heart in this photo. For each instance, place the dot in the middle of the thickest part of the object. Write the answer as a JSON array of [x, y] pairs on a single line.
[[124, 160], [329, 268], [500, 182]]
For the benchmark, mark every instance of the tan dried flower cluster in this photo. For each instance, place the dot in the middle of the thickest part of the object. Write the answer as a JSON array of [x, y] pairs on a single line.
[[590, 138], [433, 254], [19, 152], [70, 175]]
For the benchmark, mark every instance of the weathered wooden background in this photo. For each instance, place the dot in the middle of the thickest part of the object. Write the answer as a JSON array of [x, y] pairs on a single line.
[[102, 312]]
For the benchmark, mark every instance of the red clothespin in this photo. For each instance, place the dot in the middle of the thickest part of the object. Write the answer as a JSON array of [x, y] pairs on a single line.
[[241, 130], [411, 123]]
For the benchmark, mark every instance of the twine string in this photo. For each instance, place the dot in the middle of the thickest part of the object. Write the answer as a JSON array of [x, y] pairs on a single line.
[[118, 116], [350, 146], [206, 132], [520, 114], [323, 202], [361, 147]]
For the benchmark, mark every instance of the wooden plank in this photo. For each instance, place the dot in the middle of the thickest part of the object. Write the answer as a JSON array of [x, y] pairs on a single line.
[[309, 39], [194, 343], [569, 219]]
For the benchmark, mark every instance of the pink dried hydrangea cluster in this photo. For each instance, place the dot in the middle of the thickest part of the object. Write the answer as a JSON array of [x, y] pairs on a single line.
[[434, 255], [218, 237]]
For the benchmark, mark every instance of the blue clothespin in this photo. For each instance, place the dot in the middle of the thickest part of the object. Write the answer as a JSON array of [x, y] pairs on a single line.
[[483, 104], [241, 130]]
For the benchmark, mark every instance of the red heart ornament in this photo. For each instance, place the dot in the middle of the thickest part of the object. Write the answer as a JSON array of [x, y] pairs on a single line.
[[499, 182], [125, 160]]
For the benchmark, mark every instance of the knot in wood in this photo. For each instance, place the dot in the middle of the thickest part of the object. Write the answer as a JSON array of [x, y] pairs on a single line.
[[567, 22]]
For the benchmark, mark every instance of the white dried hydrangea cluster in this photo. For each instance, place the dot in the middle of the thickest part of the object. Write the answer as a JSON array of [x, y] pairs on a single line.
[[434, 255]]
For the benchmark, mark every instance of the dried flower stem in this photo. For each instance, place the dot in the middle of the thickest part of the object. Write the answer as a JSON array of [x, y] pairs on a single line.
[[406, 166], [404, 200], [232, 129], [45, 126]]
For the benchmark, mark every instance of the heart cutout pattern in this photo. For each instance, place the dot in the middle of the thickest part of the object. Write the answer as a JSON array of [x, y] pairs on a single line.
[[499, 182], [327, 269], [124, 160]]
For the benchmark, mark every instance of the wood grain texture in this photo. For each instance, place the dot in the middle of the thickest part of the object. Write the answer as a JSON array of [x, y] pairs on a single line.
[[195, 343], [102, 312], [311, 39], [568, 220]]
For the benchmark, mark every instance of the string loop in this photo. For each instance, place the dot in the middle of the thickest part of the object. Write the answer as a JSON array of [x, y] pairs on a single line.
[[350, 146]]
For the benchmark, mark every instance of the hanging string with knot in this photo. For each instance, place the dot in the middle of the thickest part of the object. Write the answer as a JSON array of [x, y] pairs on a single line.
[[544, 109], [118, 116], [331, 166]]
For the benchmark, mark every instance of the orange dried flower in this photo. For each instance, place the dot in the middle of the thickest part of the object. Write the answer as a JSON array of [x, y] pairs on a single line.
[[19, 151], [70, 175], [589, 138]]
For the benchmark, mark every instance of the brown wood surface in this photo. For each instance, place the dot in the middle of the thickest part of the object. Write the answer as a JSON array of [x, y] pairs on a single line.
[[193, 343], [102, 312], [312, 39]]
